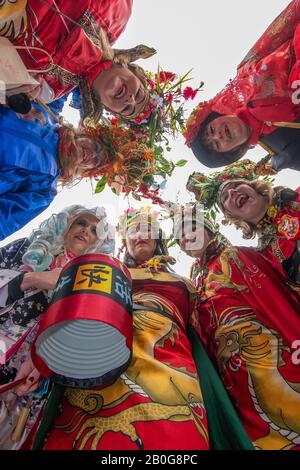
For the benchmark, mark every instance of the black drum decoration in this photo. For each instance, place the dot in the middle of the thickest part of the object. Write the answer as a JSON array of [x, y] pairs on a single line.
[[85, 336]]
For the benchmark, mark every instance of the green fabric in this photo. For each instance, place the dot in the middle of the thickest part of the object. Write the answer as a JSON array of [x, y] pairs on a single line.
[[225, 429], [48, 416]]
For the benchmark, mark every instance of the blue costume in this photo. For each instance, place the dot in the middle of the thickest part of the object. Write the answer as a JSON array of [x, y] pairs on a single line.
[[29, 169]]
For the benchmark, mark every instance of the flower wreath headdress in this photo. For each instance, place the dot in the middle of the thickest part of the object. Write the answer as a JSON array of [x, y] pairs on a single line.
[[208, 188], [132, 216], [164, 111], [147, 217], [141, 159], [162, 118]]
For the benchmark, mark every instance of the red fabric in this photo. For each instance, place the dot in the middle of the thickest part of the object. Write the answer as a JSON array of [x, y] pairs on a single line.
[[280, 30], [287, 236], [151, 411], [250, 320], [61, 260], [66, 42], [262, 89]]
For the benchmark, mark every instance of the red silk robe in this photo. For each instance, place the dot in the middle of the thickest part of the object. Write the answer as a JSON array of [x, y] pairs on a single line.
[[74, 50], [275, 66], [263, 88], [249, 317], [157, 403]]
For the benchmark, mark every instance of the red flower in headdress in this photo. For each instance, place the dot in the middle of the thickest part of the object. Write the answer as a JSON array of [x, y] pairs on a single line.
[[189, 92], [170, 98], [166, 77], [114, 121], [196, 118]]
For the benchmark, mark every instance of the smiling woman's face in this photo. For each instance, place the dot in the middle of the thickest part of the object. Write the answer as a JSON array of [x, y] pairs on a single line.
[[121, 91], [89, 152], [225, 133], [81, 235], [140, 242], [243, 201]]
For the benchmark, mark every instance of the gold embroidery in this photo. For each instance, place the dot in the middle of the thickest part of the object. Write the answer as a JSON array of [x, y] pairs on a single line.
[[266, 148], [243, 340], [218, 280], [276, 250], [91, 28], [63, 75]]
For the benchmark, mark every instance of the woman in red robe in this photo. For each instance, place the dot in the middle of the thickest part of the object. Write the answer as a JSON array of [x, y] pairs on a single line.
[[249, 321], [263, 97], [65, 47], [257, 208]]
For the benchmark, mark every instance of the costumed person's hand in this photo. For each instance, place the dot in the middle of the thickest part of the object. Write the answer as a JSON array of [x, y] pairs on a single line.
[[33, 378], [46, 280]]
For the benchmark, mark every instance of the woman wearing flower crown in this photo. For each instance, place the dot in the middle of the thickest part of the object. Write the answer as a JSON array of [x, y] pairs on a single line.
[[249, 323], [71, 48], [259, 106], [66, 46], [257, 208], [35, 157], [29, 272]]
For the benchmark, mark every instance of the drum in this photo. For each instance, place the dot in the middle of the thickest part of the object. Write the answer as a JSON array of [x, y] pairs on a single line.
[[85, 336]]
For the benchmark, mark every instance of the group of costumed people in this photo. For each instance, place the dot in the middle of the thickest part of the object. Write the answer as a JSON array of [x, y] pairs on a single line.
[[210, 362]]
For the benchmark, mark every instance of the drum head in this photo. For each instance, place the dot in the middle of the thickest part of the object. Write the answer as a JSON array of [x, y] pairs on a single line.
[[84, 353]]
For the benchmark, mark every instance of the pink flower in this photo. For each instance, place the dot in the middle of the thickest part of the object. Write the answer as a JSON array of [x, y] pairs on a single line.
[[170, 98], [151, 84], [188, 93], [147, 113]]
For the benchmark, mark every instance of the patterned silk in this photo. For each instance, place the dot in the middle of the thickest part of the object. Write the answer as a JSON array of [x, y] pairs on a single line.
[[249, 316], [157, 403], [18, 328], [262, 91]]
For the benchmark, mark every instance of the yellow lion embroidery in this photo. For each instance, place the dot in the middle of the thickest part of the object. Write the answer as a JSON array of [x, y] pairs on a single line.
[[276, 399]]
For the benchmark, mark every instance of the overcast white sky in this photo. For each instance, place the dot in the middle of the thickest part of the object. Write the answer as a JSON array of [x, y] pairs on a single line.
[[211, 37]]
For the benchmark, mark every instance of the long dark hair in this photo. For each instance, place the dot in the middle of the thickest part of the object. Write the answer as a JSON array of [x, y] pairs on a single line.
[[211, 158]]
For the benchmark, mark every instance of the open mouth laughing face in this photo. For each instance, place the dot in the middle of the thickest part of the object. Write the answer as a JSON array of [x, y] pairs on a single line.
[[243, 201]]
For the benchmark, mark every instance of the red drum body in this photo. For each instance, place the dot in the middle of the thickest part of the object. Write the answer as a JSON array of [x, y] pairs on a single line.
[[85, 337]]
